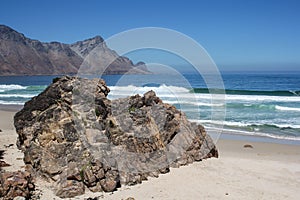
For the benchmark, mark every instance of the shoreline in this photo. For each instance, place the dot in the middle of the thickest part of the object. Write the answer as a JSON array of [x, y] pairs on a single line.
[[262, 171], [10, 107], [225, 134], [259, 139], [229, 135]]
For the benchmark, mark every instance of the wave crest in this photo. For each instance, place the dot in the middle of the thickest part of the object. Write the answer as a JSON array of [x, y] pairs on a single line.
[[248, 92], [5, 87], [283, 108]]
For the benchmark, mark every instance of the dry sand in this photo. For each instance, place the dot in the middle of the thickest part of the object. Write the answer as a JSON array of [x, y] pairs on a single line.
[[266, 171]]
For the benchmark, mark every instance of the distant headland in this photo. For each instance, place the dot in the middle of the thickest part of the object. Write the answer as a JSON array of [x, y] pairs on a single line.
[[20, 55]]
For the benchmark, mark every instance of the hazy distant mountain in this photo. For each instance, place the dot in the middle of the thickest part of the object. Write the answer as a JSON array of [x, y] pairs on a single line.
[[23, 56]]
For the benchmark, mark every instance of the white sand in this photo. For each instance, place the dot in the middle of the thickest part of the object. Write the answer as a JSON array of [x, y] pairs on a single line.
[[8, 136], [267, 171]]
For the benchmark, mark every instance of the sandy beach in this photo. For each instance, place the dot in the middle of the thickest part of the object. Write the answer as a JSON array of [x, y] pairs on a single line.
[[266, 171]]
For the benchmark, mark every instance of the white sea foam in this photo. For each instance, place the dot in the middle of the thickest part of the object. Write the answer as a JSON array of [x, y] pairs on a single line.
[[18, 95], [161, 90], [223, 123], [164, 91], [244, 124], [11, 102], [253, 133], [193, 103], [287, 108], [249, 98], [4, 88], [287, 126]]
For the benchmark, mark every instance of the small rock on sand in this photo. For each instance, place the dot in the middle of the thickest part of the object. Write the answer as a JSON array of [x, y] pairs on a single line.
[[248, 146]]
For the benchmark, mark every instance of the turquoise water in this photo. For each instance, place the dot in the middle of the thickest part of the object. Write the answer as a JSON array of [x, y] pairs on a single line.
[[255, 104]]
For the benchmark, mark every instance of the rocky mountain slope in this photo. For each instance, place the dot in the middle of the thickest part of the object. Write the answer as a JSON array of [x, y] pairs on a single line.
[[20, 55], [77, 139]]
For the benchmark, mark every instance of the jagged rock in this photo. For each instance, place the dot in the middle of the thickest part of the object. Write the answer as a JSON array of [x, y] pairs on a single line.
[[16, 184], [75, 137], [2, 163], [69, 188]]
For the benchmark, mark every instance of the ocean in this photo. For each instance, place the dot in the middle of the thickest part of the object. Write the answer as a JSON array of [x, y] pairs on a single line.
[[256, 104]]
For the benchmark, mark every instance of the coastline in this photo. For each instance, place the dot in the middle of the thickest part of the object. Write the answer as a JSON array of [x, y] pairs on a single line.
[[267, 171], [251, 109], [10, 107], [236, 136], [225, 135]]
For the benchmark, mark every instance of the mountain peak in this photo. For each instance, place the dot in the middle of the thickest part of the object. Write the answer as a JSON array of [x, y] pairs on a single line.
[[8, 33], [97, 38], [7, 28], [23, 56], [84, 47]]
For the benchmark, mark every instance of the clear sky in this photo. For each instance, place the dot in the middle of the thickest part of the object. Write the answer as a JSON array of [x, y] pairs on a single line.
[[238, 34]]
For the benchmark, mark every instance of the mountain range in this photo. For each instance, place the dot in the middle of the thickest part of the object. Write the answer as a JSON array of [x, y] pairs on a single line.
[[20, 55]]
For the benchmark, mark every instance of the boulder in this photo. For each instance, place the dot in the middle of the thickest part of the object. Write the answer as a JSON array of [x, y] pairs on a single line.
[[16, 184], [75, 137]]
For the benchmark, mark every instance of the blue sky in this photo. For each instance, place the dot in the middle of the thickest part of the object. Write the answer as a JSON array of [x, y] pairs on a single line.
[[239, 35]]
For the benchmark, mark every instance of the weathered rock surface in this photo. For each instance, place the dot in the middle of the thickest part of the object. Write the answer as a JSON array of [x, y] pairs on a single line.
[[16, 184], [2, 162], [75, 137], [20, 55]]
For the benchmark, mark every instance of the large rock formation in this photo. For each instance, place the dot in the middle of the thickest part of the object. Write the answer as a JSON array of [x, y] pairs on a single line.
[[75, 137], [20, 55]]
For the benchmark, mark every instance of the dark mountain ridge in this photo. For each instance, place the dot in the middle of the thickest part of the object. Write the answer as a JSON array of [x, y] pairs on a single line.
[[20, 55]]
